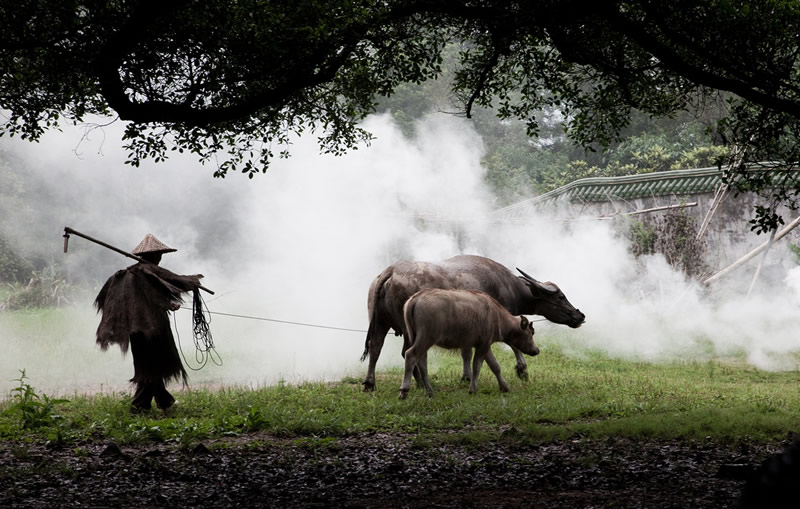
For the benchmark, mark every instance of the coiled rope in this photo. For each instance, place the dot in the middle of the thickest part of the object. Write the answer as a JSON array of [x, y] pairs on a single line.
[[203, 341]]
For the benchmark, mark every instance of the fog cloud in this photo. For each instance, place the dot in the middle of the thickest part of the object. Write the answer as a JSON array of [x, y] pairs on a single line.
[[302, 243]]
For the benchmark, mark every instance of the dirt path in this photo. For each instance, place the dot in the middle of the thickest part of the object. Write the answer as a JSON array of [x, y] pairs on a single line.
[[377, 471]]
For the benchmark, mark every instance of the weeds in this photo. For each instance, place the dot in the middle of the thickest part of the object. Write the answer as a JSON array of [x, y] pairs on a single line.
[[189, 435], [34, 411], [317, 446], [254, 420], [146, 433]]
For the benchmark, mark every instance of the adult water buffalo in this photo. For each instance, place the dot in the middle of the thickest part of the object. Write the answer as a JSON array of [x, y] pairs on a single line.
[[460, 319], [521, 295]]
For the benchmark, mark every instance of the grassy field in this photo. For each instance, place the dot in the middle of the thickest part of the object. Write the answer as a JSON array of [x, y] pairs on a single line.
[[589, 396]]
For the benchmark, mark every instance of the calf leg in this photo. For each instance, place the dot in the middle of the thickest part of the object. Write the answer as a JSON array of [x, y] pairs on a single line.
[[411, 362], [417, 376], [477, 361], [466, 358], [422, 364], [376, 334], [522, 365], [491, 360]]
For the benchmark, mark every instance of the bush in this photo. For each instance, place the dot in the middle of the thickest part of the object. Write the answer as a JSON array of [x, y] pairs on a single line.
[[13, 266], [642, 237], [45, 288], [676, 239], [795, 249], [673, 235]]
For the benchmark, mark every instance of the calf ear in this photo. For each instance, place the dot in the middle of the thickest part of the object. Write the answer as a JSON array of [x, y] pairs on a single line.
[[523, 323]]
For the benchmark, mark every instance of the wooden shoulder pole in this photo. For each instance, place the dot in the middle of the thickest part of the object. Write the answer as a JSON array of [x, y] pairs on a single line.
[[69, 231]]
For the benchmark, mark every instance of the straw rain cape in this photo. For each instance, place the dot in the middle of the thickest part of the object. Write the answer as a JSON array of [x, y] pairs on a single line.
[[136, 300]]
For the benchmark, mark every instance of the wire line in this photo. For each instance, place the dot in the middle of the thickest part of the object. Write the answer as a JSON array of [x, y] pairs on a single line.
[[289, 322], [282, 321]]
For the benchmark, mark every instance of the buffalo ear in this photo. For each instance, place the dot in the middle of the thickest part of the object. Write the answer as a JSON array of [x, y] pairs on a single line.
[[523, 323]]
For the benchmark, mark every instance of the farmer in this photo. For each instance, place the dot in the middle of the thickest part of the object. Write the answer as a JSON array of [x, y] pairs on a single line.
[[135, 303]]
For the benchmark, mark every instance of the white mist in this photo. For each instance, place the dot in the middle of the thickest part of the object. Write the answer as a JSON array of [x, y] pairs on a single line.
[[302, 243]]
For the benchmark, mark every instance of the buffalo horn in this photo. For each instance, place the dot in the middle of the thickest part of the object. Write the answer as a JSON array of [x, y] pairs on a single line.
[[536, 283]]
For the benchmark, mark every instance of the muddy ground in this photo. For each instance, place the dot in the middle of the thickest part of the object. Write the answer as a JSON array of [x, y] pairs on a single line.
[[377, 471]]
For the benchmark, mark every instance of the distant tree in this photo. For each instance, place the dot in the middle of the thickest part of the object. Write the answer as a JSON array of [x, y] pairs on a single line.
[[13, 211], [230, 80]]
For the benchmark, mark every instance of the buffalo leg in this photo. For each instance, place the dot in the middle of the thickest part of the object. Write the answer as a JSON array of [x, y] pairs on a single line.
[[375, 337], [522, 365], [466, 359], [491, 360]]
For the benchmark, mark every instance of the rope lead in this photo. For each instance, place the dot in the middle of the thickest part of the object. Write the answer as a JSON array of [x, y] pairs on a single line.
[[203, 341]]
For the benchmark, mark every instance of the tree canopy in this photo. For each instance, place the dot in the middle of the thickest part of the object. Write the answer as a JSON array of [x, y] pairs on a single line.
[[232, 80]]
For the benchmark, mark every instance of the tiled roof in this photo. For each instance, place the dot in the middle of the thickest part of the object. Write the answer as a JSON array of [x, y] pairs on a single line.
[[629, 187]]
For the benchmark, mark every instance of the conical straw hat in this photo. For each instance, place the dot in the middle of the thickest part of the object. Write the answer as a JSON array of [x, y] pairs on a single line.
[[150, 244]]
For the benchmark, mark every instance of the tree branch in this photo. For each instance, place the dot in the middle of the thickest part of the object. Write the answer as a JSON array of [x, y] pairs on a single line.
[[164, 111], [676, 63]]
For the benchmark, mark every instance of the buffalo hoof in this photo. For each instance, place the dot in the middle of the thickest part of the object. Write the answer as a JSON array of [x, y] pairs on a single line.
[[368, 386], [403, 393], [522, 373], [465, 378]]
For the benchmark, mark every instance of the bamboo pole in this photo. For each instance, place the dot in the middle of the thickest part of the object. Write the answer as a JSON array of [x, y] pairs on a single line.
[[592, 218], [761, 262], [718, 195], [69, 231], [791, 226], [638, 212], [663, 207]]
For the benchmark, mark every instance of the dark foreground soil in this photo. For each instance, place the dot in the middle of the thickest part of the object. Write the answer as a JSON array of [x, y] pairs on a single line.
[[378, 471]]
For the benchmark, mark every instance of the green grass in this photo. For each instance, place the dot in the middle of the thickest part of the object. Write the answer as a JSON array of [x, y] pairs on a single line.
[[41, 318], [593, 396]]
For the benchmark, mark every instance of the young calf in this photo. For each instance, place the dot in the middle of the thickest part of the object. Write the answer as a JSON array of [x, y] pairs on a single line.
[[458, 319]]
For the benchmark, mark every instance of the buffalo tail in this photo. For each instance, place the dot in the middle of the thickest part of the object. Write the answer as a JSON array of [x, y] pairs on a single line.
[[377, 294]]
